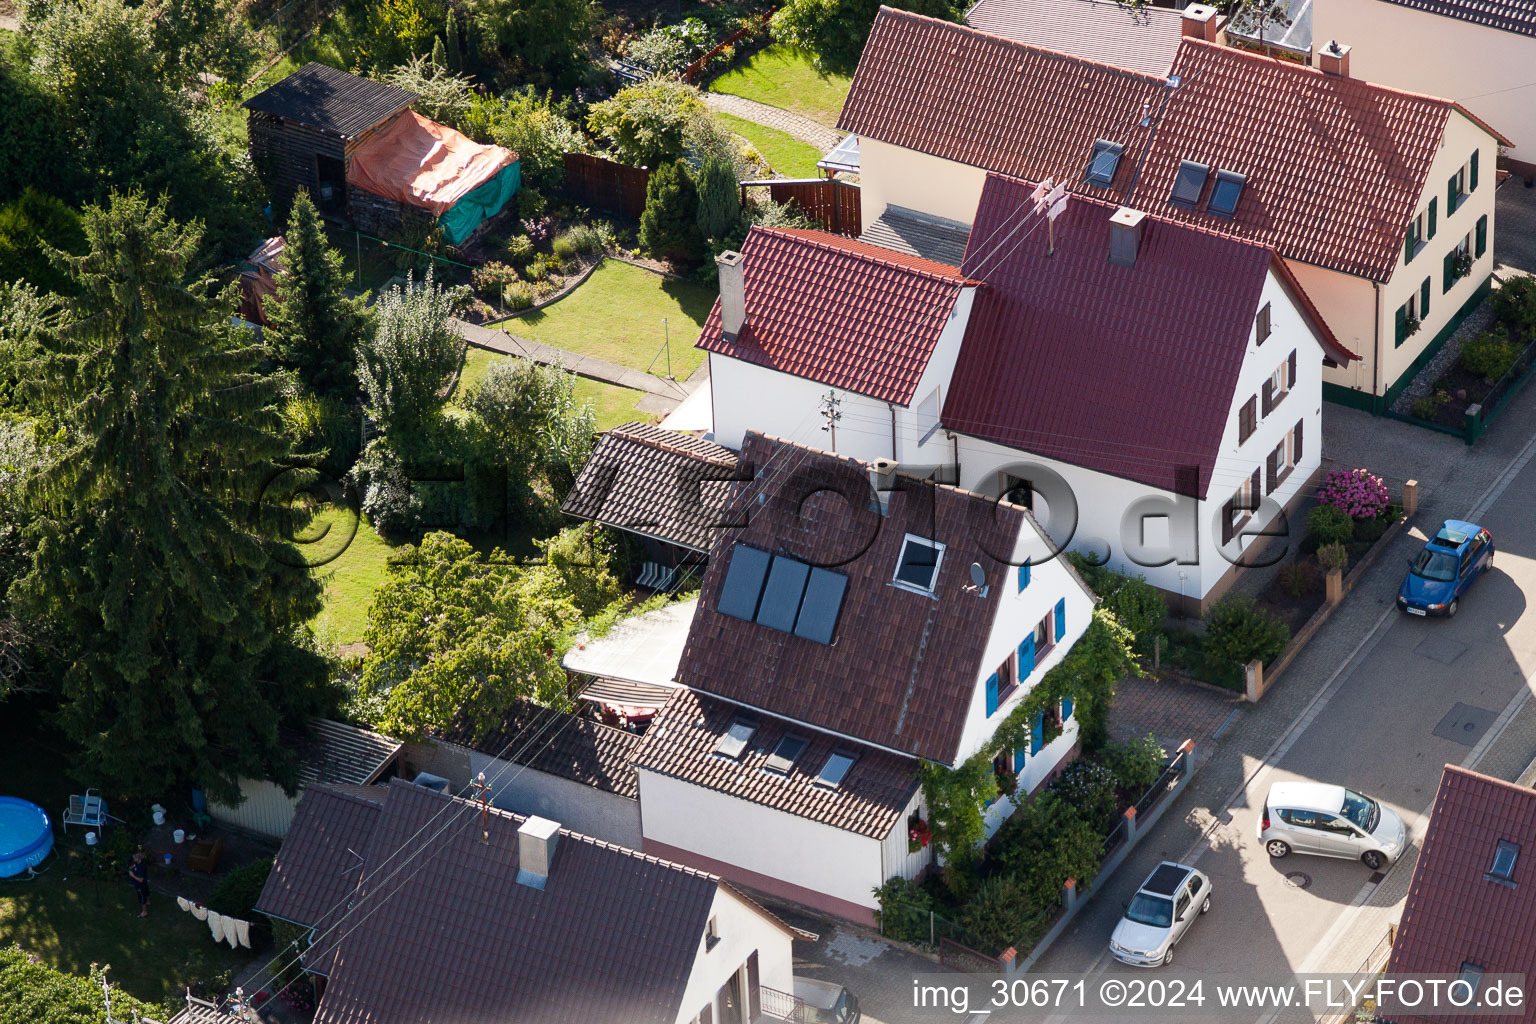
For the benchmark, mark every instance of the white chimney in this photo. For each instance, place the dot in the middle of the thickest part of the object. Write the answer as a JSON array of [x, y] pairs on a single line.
[[1125, 236], [536, 851], [882, 477], [1333, 59], [733, 293], [1199, 22]]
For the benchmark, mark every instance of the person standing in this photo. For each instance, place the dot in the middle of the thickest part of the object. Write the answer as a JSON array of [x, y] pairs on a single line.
[[138, 874]]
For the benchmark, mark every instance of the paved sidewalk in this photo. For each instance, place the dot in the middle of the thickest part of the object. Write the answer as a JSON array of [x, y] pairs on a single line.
[[582, 366], [803, 128]]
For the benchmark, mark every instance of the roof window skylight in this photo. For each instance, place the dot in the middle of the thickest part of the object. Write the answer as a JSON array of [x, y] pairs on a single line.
[[736, 738], [836, 769], [1104, 162], [918, 566], [1504, 857], [1190, 183], [783, 756], [1226, 192]]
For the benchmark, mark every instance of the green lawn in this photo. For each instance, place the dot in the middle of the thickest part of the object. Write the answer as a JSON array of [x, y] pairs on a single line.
[[780, 77], [611, 404], [784, 153], [71, 920], [350, 577], [617, 314]]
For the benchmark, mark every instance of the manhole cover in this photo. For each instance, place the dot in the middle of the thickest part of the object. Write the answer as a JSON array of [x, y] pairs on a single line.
[[1464, 724], [1298, 880]]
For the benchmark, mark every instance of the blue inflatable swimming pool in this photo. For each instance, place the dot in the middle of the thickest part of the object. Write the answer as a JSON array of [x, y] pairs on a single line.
[[26, 836]]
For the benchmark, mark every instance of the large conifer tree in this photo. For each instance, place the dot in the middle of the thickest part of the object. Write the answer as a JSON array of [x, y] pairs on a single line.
[[179, 611], [315, 329]]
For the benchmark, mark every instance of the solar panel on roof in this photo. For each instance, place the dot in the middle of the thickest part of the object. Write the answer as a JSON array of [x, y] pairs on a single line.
[[743, 582], [823, 602], [781, 597], [1190, 182]]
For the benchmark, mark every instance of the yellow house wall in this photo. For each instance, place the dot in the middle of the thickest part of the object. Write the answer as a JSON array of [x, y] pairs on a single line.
[[890, 175], [1485, 69], [1348, 304]]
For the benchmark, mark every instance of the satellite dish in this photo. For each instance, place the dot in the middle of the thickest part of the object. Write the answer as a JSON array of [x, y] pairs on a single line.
[[978, 575]]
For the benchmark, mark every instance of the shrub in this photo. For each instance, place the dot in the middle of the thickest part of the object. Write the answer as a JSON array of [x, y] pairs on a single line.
[[1370, 530], [1426, 408], [1489, 355], [1237, 631], [1359, 494], [1333, 556], [519, 296], [564, 248], [519, 250], [34, 993], [492, 279], [998, 916], [536, 126], [1090, 788], [538, 270], [719, 198], [1514, 306], [669, 226], [1329, 524], [237, 893], [1046, 842], [1137, 605], [671, 48], [1298, 578], [442, 95], [530, 206], [589, 239], [644, 125], [323, 426], [1136, 764], [904, 908], [549, 262]]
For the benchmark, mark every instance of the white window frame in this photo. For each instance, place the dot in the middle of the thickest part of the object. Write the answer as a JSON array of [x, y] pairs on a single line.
[[1242, 504], [1287, 460], [1413, 306], [1279, 384], [938, 564], [1465, 245]]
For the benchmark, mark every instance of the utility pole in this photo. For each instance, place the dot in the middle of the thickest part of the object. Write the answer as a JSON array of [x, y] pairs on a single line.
[[831, 414], [484, 789]]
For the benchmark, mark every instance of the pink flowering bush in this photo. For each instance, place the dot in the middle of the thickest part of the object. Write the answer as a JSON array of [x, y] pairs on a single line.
[[1355, 492]]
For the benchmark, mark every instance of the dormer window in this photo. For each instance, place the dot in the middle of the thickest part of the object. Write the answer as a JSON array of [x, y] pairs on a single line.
[[1104, 162], [918, 566], [783, 756], [736, 739], [1504, 856], [1225, 194], [1190, 183], [836, 769]]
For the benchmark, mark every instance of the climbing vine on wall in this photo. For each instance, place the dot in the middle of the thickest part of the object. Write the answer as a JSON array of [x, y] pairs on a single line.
[[957, 798]]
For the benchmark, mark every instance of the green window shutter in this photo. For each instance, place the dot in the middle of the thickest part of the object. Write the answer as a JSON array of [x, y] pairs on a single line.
[[1482, 236], [1450, 196], [1433, 204], [1408, 241], [1402, 325], [1448, 265], [1424, 300], [1472, 174]]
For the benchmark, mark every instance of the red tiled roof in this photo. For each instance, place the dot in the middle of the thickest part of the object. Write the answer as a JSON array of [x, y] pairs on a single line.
[[1454, 914], [315, 870], [654, 482], [838, 311], [903, 666], [1506, 15], [1139, 39], [452, 936], [1305, 140], [681, 744], [1130, 371]]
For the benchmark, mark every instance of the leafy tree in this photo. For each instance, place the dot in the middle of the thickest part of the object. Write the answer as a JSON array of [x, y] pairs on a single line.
[[202, 35], [669, 227], [719, 199], [444, 96], [452, 632], [1137, 605], [33, 993], [541, 37], [28, 134], [534, 420], [832, 32], [393, 31], [157, 561], [539, 129], [1043, 845], [404, 364], [315, 328], [31, 224], [24, 642], [646, 125]]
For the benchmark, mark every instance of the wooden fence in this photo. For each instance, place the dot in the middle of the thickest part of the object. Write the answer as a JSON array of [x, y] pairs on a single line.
[[694, 70], [594, 181], [831, 203]]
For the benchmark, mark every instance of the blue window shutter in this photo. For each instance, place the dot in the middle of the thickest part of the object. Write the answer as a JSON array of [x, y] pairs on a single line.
[[1023, 575], [1066, 708], [991, 694], [1026, 657], [1061, 618], [1018, 760], [1037, 733]]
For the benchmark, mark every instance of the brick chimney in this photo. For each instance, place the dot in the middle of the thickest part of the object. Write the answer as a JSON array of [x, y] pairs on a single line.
[[1125, 236], [1333, 59], [1199, 21], [733, 293], [536, 851]]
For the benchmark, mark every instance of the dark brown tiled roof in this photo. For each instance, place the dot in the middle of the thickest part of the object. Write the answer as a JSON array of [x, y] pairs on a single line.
[[327, 98], [1506, 15], [903, 666], [339, 753], [838, 311], [1140, 39], [1305, 140], [1129, 371], [681, 743], [1454, 914], [655, 482], [453, 937], [557, 743], [320, 860]]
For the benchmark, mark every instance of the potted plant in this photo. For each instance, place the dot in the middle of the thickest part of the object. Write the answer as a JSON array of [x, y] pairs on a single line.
[[919, 835], [1007, 780], [1461, 263]]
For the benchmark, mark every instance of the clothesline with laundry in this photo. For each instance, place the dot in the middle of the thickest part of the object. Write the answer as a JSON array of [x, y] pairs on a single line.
[[223, 927]]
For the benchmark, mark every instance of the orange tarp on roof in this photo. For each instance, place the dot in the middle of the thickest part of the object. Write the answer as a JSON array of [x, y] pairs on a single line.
[[424, 163]]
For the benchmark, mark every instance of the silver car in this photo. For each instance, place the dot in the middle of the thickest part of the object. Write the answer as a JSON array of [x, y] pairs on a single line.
[[1330, 821], [1160, 914]]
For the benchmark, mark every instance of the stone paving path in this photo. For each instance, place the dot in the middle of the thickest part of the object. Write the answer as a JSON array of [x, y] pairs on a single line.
[[803, 128], [582, 366]]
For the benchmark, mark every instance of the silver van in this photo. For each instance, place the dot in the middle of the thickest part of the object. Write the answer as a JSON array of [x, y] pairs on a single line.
[[1330, 821]]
